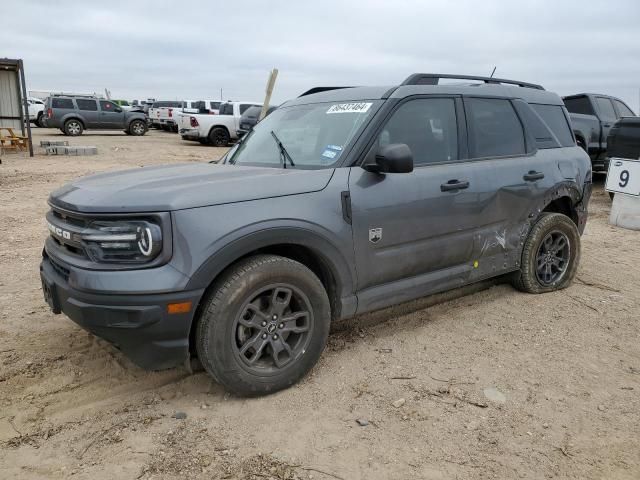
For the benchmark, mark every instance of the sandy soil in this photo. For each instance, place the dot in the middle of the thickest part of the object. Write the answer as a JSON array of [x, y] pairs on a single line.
[[491, 384]]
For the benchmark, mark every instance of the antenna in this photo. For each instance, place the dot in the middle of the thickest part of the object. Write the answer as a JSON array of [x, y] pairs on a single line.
[[494, 71]]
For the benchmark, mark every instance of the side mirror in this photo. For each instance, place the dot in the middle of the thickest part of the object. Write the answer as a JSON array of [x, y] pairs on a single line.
[[393, 158], [117, 110]]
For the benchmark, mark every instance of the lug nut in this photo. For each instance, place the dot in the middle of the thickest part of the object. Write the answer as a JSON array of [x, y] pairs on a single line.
[[275, 336], [264, 335], [275, 317], [264, 324], [281, 325]]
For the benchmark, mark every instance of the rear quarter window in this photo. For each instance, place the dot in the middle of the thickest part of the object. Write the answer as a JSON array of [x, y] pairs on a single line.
[[553, 116], [88, 105], [62, 103]]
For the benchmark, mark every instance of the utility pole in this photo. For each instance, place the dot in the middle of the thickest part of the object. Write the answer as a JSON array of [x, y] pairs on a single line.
[[269, 90]]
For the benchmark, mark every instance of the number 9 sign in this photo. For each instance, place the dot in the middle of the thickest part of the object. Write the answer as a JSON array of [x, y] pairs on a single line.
[[623, 176]]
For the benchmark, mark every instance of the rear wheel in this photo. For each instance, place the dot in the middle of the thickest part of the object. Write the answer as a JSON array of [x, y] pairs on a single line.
[[39, 120], [264, 325], [73, 127], [550, 255], [137, 128], [219, 137]]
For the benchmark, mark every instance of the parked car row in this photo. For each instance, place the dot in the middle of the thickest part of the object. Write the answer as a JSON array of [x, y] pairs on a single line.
[[165, 114]]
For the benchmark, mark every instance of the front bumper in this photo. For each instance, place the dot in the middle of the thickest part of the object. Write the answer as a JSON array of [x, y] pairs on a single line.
[[138, 324]]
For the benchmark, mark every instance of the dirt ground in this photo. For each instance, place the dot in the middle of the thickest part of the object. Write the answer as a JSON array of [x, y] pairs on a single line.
[[491, 384]]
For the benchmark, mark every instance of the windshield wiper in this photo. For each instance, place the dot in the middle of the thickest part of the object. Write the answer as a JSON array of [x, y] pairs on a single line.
[[284, 155]]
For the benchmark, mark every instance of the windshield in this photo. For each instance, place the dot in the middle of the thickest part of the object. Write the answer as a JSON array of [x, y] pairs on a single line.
[[313, 135]]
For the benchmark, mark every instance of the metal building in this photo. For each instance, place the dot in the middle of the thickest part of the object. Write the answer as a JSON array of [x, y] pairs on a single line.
[[14, 110]]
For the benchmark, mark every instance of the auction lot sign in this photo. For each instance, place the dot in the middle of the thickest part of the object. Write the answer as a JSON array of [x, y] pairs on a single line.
[[623, 176]]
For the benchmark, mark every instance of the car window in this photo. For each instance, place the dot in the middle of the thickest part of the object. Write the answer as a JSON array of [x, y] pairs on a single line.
[[605, 107], [62, 103], [215, 105], [226, 109], [84, 104], [495, 129], [106, 106], [245, 106], [554, 117], [623, 110], [427, 126], [581, 105]]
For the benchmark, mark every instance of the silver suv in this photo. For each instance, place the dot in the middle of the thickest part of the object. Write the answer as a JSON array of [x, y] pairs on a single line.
[[74, 114]]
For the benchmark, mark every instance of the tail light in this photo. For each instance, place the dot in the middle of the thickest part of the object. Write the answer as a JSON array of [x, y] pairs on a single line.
[[49, 113], [171, 112], [194, 122]]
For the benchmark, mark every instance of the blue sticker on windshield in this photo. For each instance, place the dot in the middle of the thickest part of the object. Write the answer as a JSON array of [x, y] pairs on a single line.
[[331, 152]]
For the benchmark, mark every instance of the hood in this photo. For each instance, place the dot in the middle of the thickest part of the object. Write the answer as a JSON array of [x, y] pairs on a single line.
[[176, 187]]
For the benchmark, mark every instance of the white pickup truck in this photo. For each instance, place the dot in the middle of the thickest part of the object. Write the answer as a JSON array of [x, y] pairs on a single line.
[[216, 130], [36, 108], [166, 115]]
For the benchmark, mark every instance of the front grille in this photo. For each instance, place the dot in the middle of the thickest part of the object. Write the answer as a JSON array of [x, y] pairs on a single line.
[[65, 230]]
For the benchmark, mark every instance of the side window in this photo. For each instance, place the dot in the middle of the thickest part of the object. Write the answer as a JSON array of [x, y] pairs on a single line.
[[428, 127], [580, 105], [495, 129], [226, 109], [215, 105], [623, 110], [62, 103], [107, 106], [554, 117], [244, 106], [606, 108], [88, 105]]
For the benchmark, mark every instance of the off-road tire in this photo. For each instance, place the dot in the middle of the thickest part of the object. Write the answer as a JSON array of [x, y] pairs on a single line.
[[219, 137], [39, 120], [526, 279], [73, 127], [137, 128], [217, 328]]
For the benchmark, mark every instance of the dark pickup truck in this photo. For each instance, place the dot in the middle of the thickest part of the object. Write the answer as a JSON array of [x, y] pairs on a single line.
[[592, 116]]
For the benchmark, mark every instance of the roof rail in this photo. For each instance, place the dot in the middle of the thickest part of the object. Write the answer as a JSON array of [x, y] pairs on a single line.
[[434, 78], [313, 90]]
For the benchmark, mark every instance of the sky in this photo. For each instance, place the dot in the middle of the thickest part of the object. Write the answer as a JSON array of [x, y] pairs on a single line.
[[178, 50]]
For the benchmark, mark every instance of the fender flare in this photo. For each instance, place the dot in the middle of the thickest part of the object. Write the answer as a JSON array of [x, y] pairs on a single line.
[[319, 245]]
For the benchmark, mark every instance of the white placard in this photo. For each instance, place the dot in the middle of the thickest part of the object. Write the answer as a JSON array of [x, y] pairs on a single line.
[[623, 176], [360, 107]]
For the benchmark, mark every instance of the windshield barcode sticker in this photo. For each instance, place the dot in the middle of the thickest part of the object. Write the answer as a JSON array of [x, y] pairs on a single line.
[[349, 108]]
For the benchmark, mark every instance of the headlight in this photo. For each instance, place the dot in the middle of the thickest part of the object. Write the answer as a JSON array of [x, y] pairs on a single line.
[[122, 241]]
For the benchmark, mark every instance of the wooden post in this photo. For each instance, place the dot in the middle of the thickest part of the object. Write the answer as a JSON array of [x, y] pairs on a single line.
[[267, 98]]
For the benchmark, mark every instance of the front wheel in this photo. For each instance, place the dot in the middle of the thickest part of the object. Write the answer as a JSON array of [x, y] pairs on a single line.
[[264, 325], [137, 128], [550, 255]]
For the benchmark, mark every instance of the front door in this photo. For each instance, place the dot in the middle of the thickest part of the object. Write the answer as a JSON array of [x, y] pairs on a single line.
[[111, 115], [413, 232]]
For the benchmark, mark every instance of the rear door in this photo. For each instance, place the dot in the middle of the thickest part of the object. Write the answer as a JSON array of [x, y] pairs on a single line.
[[88, 108], [413, 232], [111, 115], [512, 174]]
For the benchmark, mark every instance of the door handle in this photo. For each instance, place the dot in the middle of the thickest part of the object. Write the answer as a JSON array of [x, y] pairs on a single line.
[[532, 176], [454, 185], [606, 125]]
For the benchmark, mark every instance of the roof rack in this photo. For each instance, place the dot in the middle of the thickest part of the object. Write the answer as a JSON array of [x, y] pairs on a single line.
[[434, 78], [319, 89]]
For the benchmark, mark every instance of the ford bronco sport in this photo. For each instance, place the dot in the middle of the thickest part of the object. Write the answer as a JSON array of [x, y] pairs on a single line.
[[340, 202]]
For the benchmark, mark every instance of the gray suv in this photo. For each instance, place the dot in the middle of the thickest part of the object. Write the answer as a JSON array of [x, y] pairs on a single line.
[[341, 202], [75, 114]]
